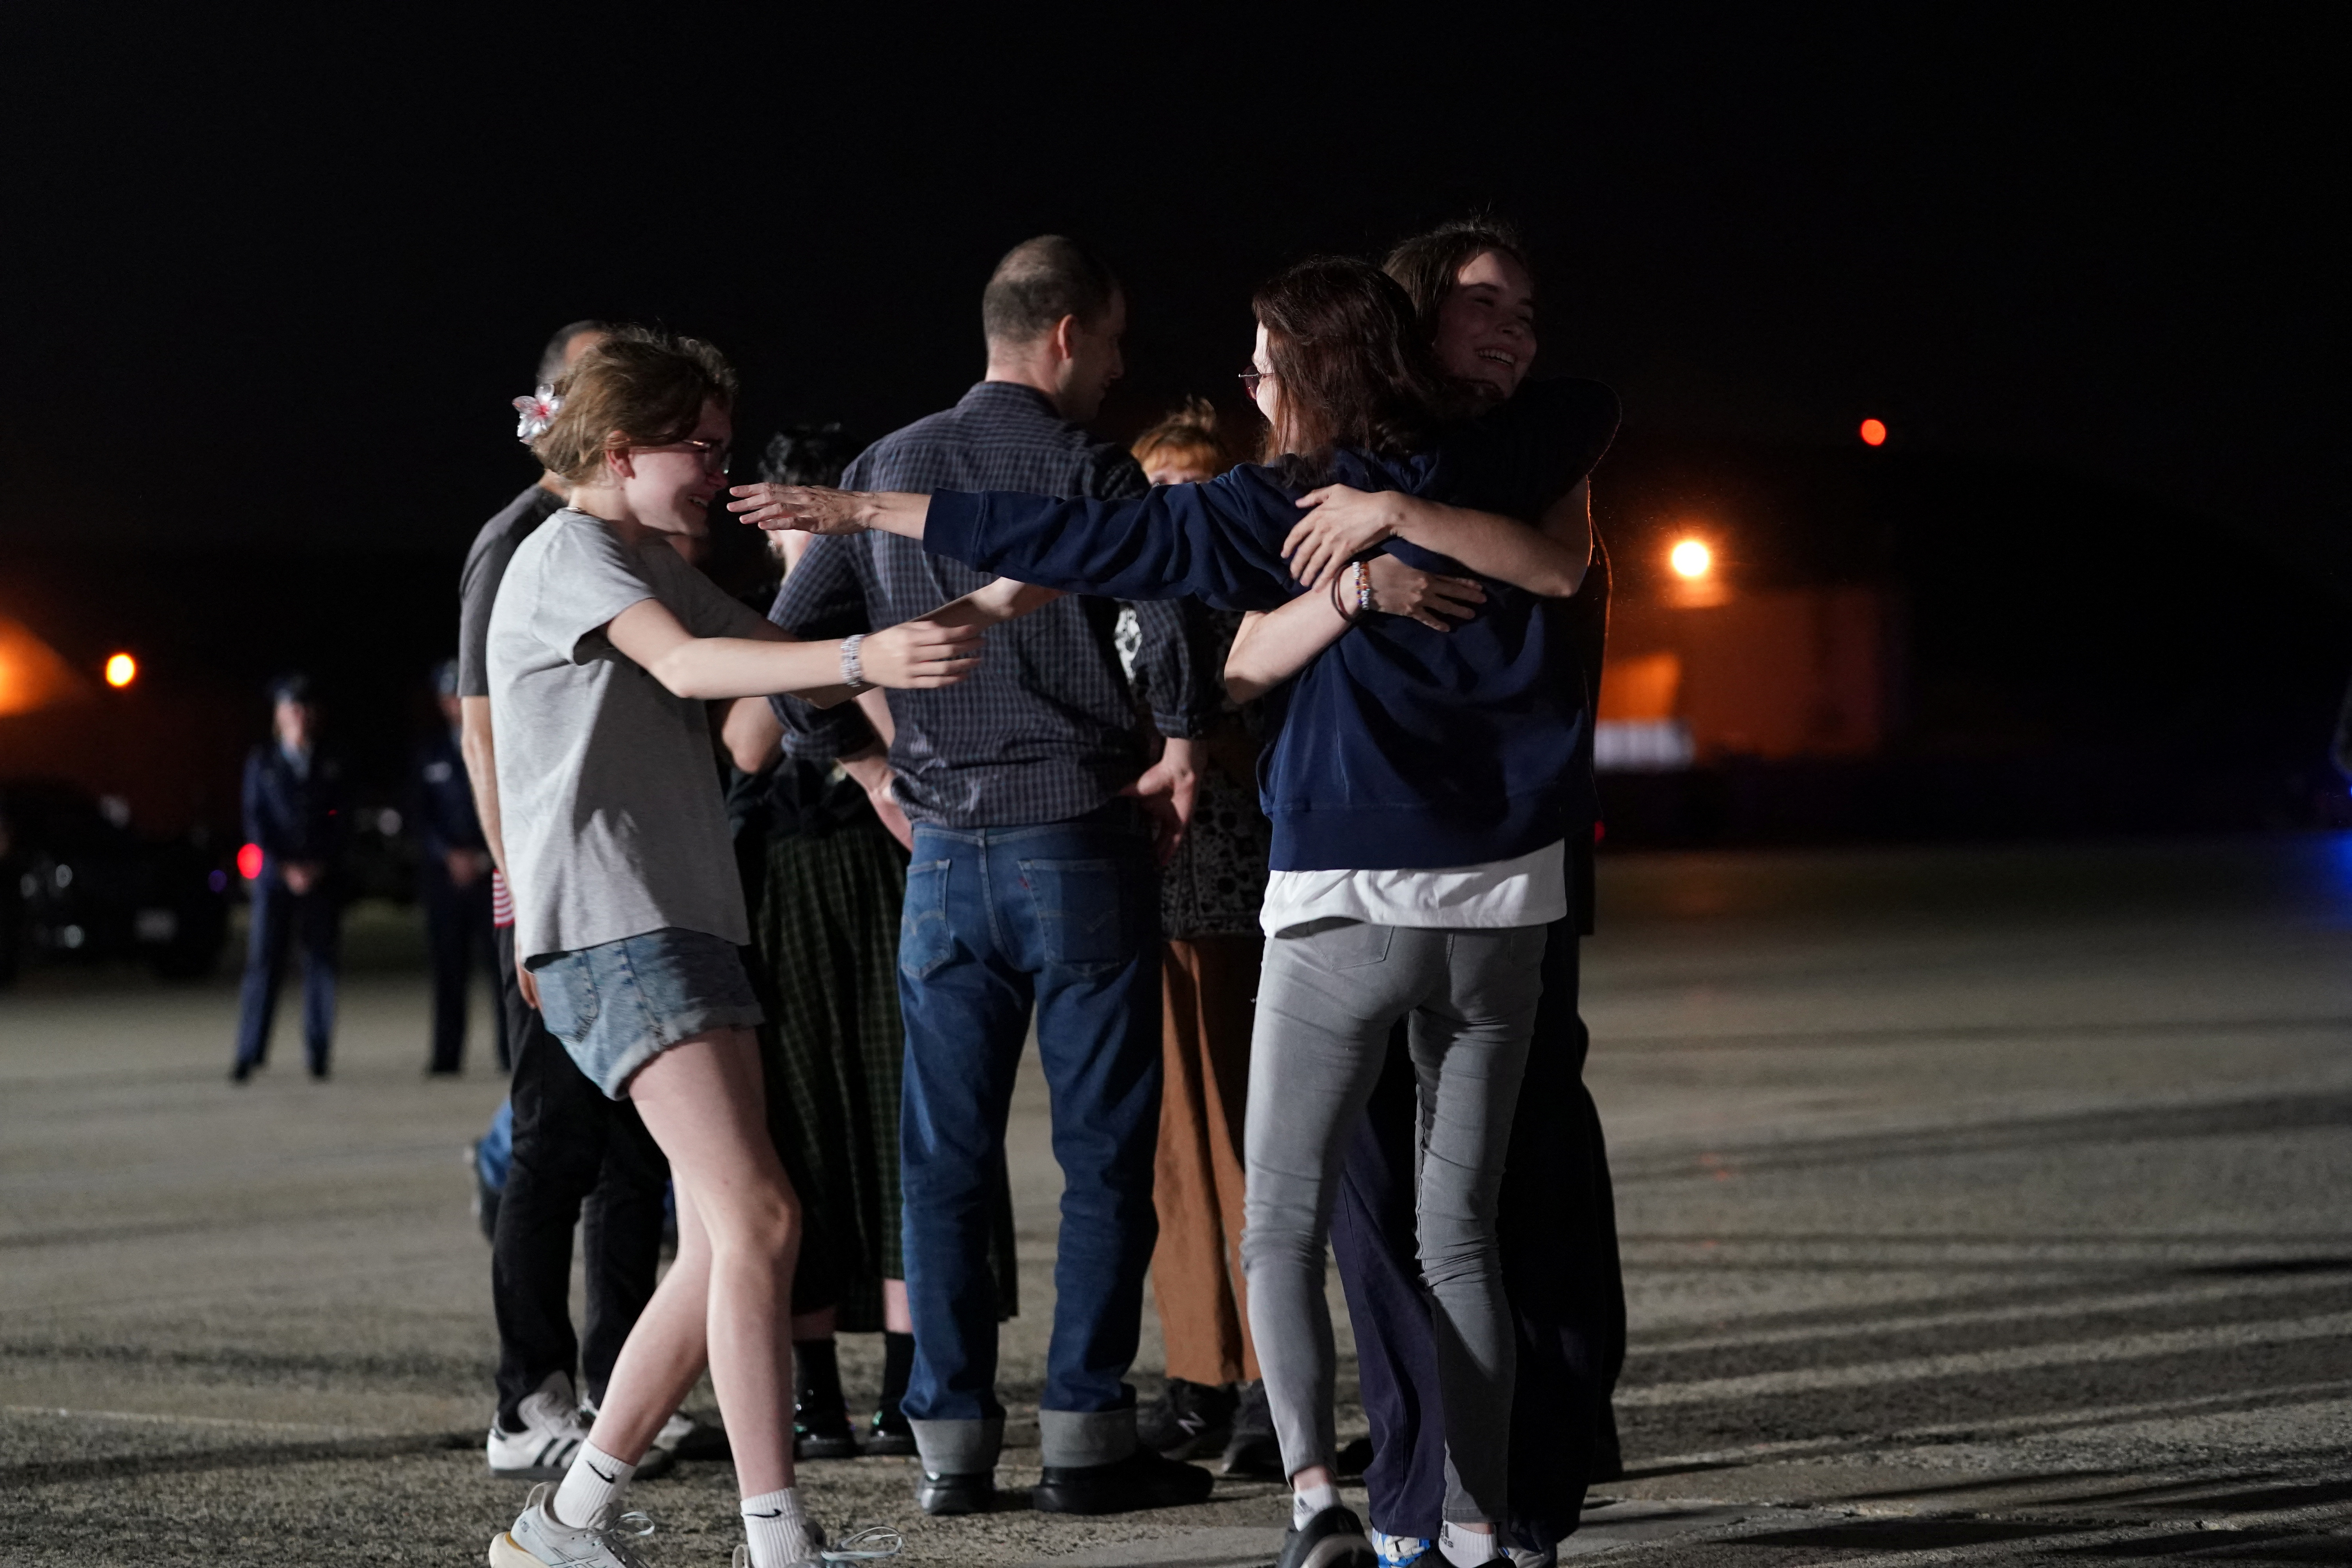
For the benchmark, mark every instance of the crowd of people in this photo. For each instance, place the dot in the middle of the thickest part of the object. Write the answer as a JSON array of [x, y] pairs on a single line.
[[1262, 790]]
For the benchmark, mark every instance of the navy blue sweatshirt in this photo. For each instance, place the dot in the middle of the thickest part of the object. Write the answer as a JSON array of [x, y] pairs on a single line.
[[1399, 746]]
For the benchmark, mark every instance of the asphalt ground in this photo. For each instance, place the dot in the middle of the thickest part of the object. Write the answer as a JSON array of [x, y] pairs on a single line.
[[1978, 1207]]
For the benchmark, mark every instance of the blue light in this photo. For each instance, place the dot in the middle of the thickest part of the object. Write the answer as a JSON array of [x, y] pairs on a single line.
[[218, 881]]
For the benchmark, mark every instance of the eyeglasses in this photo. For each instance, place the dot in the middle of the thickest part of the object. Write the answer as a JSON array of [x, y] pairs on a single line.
[[1250, 379], [716, 455]]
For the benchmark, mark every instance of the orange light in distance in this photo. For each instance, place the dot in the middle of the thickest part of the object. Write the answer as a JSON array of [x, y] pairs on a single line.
[[122, 670], [1691, 560], [248, 862], [1873, 432]]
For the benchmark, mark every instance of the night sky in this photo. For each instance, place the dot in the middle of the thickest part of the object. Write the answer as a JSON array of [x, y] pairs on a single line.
[[277, 282]]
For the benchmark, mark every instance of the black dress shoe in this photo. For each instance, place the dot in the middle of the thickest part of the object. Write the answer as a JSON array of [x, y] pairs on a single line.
[[821, 1430], [1332, 1538], [971, 1492], [814, 1443], [1142, 1479], [890, 1433]]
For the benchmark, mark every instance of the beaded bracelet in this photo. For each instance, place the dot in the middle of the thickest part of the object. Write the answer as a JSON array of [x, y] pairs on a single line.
[[853, 674], [1363, 587]]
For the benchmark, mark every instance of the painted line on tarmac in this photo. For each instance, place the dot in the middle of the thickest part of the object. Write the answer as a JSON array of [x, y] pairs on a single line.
[[2075, 1307], [1912, 1369], [2276, 1397], [146, 1418]]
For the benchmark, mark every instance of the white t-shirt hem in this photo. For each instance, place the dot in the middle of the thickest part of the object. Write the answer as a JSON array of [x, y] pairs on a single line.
[[1526, 889]]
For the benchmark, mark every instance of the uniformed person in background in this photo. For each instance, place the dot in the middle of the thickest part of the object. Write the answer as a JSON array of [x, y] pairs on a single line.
[[294, 814], [454, 882]]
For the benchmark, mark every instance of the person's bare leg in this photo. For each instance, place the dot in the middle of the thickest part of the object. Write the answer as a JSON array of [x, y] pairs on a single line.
[[703, 1103], [896, 1316]]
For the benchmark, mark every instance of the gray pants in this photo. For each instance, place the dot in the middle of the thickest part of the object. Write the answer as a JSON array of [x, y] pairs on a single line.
[[1326, 1002]]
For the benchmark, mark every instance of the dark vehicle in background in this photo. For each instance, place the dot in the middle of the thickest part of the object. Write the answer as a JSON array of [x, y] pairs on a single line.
[[79, 885]]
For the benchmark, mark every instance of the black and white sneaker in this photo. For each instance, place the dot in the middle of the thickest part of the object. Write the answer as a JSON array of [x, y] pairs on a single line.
[[548, 1439], [1191, 1421], [1333, 1539]]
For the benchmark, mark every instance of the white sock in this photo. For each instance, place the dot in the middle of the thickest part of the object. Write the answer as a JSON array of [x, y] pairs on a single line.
[[776, 1528], [1309, 1501], [594, 1479], [1465, 1547]]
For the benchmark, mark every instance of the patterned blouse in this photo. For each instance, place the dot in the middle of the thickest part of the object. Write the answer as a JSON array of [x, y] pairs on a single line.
[[1217, 881]]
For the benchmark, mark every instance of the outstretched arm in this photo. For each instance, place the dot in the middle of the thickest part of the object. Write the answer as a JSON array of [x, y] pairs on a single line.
[[813, 508], [919, 654], [1343, 523]]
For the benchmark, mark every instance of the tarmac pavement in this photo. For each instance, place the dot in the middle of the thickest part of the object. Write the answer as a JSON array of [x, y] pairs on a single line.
[[1978, 1205]]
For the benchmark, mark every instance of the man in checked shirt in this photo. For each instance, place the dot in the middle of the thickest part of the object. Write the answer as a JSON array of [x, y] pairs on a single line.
[[1038, 832]]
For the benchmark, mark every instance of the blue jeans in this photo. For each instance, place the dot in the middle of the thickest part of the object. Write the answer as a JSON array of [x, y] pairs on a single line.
[[1066, 916]]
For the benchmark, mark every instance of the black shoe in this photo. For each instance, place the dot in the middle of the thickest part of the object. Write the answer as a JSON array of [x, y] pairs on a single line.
[[888, 1433], [823, 1437], [1332, 1538], [974, 1492], [241, 1073], [1255, 1454], [1191, 1421], [1142, 1479]]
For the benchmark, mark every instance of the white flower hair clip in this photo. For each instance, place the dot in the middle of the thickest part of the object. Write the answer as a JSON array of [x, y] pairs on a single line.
[[537, 411]]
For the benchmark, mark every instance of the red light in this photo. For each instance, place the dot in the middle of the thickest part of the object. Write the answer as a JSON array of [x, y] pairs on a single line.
[[1873, 432], [248, 862]]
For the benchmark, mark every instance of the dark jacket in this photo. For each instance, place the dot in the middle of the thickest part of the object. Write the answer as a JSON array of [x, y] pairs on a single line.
[[293, 816], [1399, 746], [441, 800]]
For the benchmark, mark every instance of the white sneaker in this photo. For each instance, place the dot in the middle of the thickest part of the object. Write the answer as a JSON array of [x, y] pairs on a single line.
[[675, 1430], [871, 1544], [549, 1440], [540, 1540]]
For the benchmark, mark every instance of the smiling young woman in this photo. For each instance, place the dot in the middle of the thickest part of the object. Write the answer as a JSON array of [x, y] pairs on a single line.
[[629, 912]]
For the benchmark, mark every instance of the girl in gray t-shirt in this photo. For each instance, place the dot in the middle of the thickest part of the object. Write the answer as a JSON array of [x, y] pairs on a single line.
[[604, 646]]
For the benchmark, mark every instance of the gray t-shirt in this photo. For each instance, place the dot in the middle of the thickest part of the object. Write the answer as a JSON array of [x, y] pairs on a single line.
[[613, 821], [478, 585]]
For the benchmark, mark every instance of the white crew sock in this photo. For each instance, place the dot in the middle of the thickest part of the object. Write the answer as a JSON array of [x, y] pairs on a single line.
[[1467, 1548], [776, 1528], [594, 1479], [1309, 1501]]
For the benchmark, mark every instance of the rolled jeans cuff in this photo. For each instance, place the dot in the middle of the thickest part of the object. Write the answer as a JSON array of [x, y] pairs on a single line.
[[960, 1448], [1072, 1439]]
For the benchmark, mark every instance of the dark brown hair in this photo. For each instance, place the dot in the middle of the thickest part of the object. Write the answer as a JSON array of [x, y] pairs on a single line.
[[1189, 435], [1427, 265], [1040, 282], [1352, 364], [646, 386]]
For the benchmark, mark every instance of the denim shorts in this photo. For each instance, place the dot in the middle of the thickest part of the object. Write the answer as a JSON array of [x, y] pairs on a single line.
[[618, 1005]]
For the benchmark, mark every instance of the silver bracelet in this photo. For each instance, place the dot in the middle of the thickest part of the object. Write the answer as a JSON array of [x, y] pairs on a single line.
[[853, 674]]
